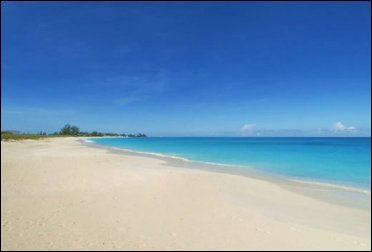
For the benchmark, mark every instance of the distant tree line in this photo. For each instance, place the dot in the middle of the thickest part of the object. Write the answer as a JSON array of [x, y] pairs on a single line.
[[16, 135], [67, 130], [71, 130]]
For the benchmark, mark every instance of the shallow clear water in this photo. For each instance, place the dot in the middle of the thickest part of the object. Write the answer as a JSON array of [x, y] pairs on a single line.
[[343, 161]]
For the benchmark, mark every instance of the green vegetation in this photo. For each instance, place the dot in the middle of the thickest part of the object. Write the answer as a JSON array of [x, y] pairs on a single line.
[[8, 135], [67, 130], [71, 130]]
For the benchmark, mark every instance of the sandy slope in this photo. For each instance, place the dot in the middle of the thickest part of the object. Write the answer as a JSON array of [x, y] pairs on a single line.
[[60, 195]]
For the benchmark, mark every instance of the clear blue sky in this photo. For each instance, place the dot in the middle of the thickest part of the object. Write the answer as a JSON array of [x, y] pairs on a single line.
[[187, 69]]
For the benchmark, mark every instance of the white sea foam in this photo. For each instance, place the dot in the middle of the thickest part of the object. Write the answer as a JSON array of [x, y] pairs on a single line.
[[175, 157], [152, 154], [332, 186]]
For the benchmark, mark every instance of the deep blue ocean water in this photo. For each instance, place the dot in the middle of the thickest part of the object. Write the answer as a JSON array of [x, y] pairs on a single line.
[[342, 161]]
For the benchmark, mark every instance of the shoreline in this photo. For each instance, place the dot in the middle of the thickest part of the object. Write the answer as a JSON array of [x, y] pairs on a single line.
[[330, 192], [58, 194]]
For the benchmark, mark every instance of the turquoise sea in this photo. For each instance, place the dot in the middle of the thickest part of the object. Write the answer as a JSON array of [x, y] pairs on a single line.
[[339, 161]]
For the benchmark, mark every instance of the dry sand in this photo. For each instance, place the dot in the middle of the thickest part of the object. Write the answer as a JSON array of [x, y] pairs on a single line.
[[57, 194]]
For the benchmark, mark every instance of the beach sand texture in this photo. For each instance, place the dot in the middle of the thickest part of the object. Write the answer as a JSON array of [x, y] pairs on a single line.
[[57, 194]]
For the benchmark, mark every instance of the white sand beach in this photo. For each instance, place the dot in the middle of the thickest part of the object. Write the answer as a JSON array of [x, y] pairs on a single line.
[[57, 194]]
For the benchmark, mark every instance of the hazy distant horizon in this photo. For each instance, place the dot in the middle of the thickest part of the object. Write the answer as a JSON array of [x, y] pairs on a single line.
[[335, 135]]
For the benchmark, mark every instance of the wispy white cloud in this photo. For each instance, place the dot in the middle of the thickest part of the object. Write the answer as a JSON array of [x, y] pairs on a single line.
[[127, 100], [35, 111], [131, 88], [13, 112], [247, 129], [144, 87], [340, 127]]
